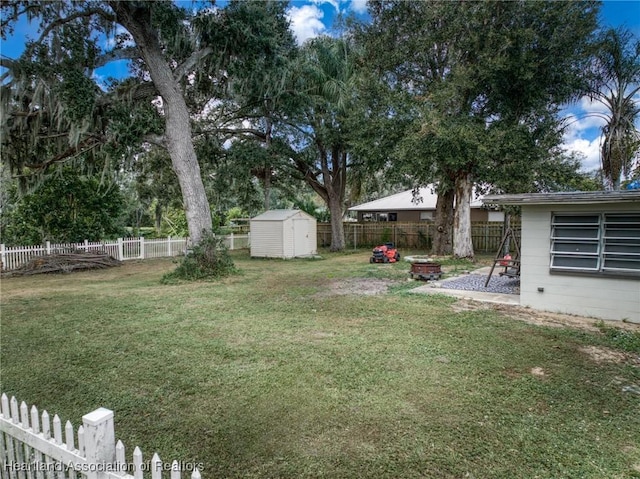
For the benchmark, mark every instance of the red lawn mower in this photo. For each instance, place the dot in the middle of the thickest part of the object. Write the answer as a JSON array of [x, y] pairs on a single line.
[[387, 253]]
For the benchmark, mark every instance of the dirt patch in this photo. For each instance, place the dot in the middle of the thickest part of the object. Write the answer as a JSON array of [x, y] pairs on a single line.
[[542, 318], [357, 286], [601, 354], [538, 371]]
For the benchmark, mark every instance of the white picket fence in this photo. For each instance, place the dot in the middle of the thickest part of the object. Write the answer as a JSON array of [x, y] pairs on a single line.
[[122, 249], [31, 448]]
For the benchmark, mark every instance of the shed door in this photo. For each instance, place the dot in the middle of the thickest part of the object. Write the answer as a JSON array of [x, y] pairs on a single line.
[[301, 232]]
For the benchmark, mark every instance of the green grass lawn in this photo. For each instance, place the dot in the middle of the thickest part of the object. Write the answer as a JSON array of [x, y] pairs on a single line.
[[276, 373]]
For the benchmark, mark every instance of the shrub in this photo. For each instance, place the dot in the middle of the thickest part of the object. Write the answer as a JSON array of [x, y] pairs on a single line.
[[208, 260]]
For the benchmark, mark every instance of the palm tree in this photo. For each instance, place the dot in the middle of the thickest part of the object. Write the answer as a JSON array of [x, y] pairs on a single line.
[[325, 80], [617, 75]]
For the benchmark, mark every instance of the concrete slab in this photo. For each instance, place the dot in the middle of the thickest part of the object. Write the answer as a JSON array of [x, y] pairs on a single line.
[[440, 287], [511, 299]]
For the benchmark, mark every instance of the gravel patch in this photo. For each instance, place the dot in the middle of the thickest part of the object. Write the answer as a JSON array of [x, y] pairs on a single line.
[[475, 282]]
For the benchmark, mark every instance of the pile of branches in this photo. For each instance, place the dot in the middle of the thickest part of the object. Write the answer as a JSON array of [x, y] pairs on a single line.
[[65, 263]]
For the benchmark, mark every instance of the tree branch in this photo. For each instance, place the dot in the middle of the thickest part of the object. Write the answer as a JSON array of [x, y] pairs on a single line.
[[252, 131], [157, 140], [128, 53], [82, 14], [71, 152], [7, 62], [191, 62]]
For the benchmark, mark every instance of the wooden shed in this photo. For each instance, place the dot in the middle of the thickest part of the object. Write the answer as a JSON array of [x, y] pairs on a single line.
[[283, 234]]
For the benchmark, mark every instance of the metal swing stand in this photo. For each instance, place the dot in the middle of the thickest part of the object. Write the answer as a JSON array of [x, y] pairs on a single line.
[[511, 265]]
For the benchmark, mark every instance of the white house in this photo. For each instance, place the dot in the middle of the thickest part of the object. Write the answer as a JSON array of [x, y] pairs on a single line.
[[283, 234], [407, 208], [580, 252]]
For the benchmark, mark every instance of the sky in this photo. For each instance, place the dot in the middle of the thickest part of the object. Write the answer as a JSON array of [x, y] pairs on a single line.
[[311, 18], [584, 131]]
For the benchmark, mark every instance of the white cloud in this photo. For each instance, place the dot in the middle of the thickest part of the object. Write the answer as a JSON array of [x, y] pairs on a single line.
[[101, 80], [359, 6], [589, 149], [586, 117], [334, 3], [306, 22], [584, 122]]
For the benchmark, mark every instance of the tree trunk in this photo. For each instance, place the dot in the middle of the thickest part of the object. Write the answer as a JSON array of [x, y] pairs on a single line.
[[462, 244], [443, 223], [177, 121], [267, 188], [337, 227], [331, 189], [505, 227], [267, 167], [158, 217]]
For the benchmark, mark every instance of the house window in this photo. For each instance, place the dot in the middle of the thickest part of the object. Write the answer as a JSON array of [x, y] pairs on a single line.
[[426, 215], [621, 235], [596, 243], [393, 216]]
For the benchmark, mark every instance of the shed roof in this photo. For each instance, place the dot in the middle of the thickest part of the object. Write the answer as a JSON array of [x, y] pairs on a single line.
[[573, 197], [279, 215], [404, 201]]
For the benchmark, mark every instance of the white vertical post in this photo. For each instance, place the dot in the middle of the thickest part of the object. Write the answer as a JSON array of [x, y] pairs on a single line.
[[169, 245], [100, 441], [231, 242], [120, 249], [86, 246], [141, 247], [3, 260], [47, 246]]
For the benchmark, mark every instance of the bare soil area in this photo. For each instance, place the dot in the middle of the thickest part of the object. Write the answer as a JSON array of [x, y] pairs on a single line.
[[358, 286], [543, 318]]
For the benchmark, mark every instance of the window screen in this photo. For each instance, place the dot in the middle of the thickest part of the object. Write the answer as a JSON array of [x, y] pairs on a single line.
[[575, 242], [596, 242], [621, 242]]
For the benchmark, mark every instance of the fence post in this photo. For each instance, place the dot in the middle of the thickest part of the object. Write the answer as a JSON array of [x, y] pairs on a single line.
[[3, 259], [141, 247], [231, 242], [100, 441], [120, 249], [355, 236], [47, 245], [169, 245]]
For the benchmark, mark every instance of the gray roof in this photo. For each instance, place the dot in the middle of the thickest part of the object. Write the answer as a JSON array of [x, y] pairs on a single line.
[[280, 215], [403, 201], [574, 197]]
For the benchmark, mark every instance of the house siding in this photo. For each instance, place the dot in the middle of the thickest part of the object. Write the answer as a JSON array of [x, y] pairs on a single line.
[[587, 295]]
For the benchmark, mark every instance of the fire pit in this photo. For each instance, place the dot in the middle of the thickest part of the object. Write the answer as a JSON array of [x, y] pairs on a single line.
[[425, 270]]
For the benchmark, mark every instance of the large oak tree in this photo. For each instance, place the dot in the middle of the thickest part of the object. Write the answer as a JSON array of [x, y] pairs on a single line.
[[476, 71], [54, 110]]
